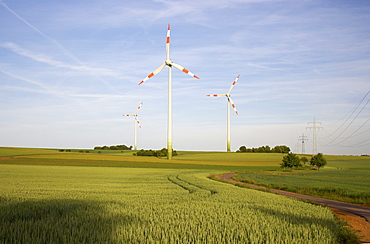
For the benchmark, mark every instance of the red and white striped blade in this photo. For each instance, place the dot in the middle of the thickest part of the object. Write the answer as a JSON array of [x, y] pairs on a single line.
[[153, 74], [217, 95], [233, 105], [139, 107], [129, 115], [233, 84], [184, 70], [138, 122], [168, 42]]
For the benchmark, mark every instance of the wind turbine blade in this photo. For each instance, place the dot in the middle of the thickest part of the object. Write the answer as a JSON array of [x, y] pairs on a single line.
[[139, 107], [217, 95], [168, 42], [138, 122], [153, 74], [184, 70], [233, 105], [233, 84], [129, 115]]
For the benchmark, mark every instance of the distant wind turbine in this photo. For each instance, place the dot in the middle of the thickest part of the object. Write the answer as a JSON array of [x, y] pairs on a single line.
[[229, 101], [169, 63], [137, 124]]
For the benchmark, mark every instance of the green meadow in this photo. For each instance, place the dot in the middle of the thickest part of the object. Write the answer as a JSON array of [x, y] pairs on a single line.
[[47, 196], [107, 158], [345, 178]]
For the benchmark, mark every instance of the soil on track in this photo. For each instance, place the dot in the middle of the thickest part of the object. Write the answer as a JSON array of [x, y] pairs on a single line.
[[358, 217]]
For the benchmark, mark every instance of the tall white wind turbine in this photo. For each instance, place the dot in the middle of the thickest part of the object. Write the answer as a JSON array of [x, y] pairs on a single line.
[[137, 124], [229, 102], [170, 64]]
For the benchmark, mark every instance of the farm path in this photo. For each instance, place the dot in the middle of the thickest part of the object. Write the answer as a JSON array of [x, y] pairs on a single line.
[[357, 216]]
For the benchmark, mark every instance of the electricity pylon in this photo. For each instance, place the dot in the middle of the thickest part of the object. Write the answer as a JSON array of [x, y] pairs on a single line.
[[315, 126], [303, 138]]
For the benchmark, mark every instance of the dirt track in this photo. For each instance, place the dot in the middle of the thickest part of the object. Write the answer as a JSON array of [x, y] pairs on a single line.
[[357, 216]]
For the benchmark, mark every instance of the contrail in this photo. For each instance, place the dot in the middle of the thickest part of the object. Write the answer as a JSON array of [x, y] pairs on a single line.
[[56, 43], [48, 60]]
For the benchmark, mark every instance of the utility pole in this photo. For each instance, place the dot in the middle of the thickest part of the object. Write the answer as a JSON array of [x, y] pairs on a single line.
[[303, 138], [315, 126]]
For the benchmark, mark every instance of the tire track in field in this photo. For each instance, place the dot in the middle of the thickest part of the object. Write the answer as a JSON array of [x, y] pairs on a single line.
[[361, 211], [190, 187], [15, 156]]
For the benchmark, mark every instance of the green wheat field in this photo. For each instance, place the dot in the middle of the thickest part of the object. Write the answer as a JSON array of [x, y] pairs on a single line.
[[47, 196]]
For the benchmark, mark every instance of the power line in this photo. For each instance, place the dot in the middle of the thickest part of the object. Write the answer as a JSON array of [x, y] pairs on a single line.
[[351, 124], [351, 112], [353, 133], [360, 144]]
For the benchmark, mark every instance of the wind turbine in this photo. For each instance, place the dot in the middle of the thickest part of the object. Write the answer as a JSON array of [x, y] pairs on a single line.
[[229, 101], [169, 63], [137, 124]]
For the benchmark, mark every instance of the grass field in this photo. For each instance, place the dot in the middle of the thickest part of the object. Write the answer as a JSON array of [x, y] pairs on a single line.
[[346, 178], [58, 197]]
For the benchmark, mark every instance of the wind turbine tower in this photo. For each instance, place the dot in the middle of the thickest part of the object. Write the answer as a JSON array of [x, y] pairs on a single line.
[[229, 102], [137, 124], [168, 62]]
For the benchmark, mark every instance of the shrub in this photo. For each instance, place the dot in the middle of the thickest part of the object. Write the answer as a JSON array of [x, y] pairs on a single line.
[[158, 153], [318, 161]]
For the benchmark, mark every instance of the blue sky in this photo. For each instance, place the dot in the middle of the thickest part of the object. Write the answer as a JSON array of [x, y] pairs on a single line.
[[70, 69]]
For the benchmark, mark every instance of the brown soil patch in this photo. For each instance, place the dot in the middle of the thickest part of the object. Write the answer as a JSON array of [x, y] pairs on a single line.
[[356, 223]]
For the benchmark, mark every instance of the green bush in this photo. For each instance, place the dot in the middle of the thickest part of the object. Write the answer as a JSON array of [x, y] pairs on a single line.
[[151, 153]]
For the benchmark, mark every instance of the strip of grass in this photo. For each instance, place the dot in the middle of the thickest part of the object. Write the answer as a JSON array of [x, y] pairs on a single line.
[[16, 151], [350, 186], [219, 159], [130, 164]]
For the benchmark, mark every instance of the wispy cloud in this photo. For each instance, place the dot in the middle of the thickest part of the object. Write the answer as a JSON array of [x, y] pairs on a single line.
[[56, 91], [66, 52], [50, 61], [30, 81], [261, 66]]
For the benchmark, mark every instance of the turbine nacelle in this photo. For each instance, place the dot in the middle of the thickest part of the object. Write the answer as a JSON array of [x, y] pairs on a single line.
[[168, 62]]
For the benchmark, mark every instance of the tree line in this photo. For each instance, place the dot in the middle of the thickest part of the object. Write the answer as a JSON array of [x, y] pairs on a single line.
[[264, 149], [157, 153], [117, 147]]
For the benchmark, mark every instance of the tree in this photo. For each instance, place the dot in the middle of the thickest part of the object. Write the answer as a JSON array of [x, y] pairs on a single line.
[[242, 149], [304, 160], [290, 160], [318, 161], [117, 147], [281, 149], [264, 149]]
